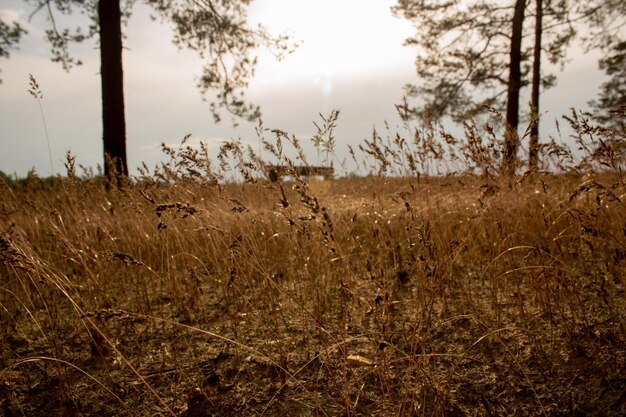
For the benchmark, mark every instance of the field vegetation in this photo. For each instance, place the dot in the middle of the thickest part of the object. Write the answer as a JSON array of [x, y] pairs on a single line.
[[424, 284]]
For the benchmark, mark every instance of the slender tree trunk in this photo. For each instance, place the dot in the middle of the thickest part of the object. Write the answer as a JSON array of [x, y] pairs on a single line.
[[533, 149], [111, 73], [511, 139]]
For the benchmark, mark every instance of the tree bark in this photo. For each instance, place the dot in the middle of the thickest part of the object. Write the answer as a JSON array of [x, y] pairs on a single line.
[[533, 148], [112, 77], [511, 139]]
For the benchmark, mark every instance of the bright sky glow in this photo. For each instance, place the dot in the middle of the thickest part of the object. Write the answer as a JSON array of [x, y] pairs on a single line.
[[338, 37]]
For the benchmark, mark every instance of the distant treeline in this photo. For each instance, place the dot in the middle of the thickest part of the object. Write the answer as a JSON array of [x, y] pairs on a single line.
[[35, 181]]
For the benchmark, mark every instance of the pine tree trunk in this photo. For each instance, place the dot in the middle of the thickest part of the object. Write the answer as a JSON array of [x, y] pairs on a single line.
[[511, 139], [533, 149], [111, 73]]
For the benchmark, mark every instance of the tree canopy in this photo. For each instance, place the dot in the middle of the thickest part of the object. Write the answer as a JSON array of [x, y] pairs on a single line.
[[478, 54], [218, 30], [612, 96], [464, 51], [9, 37]]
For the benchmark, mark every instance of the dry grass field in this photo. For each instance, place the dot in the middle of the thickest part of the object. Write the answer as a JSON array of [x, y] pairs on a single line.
[[398, 293]]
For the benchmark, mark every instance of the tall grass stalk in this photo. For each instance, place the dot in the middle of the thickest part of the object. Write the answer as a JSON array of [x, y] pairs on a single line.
[[36, 92]]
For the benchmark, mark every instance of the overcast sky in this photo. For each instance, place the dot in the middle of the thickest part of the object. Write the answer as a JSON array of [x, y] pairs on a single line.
[[351, 58]]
